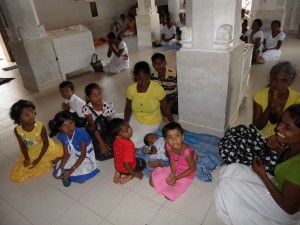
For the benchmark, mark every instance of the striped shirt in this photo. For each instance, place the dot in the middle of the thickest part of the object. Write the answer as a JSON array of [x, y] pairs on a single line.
[[169, 83]]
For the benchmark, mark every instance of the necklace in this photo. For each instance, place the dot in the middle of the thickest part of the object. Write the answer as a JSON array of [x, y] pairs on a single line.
[[178, 155], [26, 140]]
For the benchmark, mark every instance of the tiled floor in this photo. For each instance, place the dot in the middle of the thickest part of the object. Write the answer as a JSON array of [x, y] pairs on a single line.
[[45, 201]]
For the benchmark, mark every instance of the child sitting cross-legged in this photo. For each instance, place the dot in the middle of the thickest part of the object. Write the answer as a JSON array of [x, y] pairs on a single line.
[[78, 161], [126, 164], [174, 180], [156, 151]]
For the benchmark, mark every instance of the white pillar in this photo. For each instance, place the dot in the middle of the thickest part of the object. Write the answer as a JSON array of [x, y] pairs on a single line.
[[147, 23], [210, 67]]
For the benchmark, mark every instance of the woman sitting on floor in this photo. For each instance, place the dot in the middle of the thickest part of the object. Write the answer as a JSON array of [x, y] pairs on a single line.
[[248, 196], [119, 52], [242, 143], [256, 37], [145, 99], [272, 42]]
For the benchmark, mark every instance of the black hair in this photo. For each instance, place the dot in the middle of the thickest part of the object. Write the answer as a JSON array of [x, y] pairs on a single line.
[[16, 110], [88, 88], [141, 67], [286, 67], [145, 139], [112, 35], [158, 56], [115, 126], [294, 112], [276, 21], [58, 120], [258, 21], [122, 15], [171, 126], [67, 84]]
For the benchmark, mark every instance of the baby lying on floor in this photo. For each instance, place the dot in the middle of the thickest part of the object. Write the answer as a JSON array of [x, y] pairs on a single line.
[[156, 150]]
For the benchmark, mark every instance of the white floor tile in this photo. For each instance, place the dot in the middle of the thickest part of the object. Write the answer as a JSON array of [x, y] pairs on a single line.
[[134, 209], [47, 208], [18, 220], [193, 204], [7, 212], [105, 222], [211, 217], [143, 188], [168, 217], [78, 215], [104, 196], [21, 196]]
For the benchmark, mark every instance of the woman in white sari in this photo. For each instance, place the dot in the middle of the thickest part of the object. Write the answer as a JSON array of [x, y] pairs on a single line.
[[247, 195]]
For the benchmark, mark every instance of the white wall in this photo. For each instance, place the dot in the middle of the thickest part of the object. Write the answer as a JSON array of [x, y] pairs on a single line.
[[55, 14], [295, 17]]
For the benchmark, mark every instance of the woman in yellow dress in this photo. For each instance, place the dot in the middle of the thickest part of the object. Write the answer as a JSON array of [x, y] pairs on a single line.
[[38, 150]]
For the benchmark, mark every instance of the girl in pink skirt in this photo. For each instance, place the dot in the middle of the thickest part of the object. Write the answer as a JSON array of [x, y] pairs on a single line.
[[174, 180]]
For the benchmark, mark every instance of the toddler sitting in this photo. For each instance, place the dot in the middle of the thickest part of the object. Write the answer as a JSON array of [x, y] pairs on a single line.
[[156, 150]]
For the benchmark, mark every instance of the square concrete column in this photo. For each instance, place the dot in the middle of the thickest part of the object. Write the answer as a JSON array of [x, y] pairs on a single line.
[[147, 23], [210, 65]]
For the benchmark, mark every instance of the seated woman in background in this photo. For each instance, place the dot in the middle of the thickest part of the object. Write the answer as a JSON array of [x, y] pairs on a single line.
[[120, 25], [272, 42], [131, 27], [119, 52], [145, 99], [270, 102], [242, 143], [256, 37], [247, 195]]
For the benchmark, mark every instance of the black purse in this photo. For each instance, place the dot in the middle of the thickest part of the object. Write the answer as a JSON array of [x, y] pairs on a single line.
[[102, 127], [96, 63]]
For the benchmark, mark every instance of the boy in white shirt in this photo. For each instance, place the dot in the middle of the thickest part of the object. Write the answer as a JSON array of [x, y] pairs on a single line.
[[72, 102]]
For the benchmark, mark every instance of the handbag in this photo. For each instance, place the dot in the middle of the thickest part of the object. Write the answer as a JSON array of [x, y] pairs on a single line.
[[96, 63], [101, 126]]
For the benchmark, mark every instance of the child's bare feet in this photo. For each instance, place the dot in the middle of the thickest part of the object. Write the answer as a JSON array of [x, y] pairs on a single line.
[[154, 164], [117, 177], [124, 180]]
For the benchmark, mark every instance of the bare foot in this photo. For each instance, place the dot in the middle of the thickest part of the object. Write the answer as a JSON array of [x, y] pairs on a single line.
[[117, 177], [124, 180], [154, 164]]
